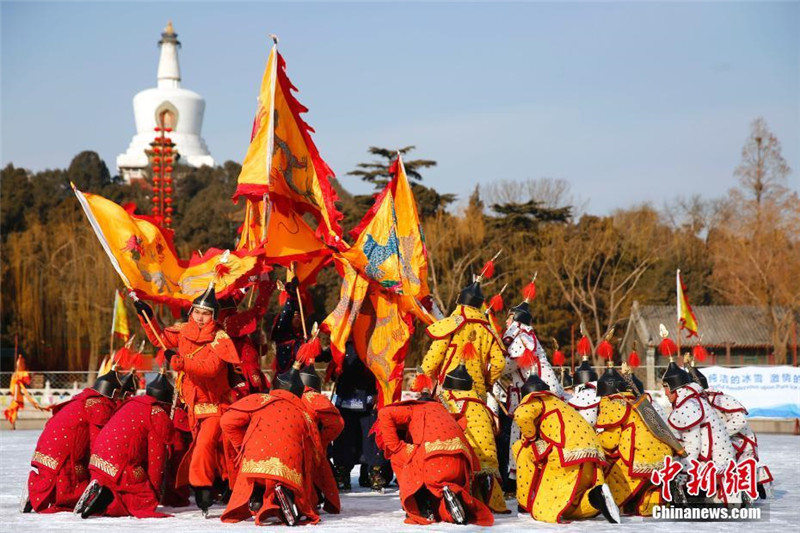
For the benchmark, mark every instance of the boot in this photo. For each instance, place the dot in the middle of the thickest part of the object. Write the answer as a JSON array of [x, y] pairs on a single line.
[[204, 498], [363, 476], [425, 504], [601, 499], [342, 476], [257, 498], [94, 500], [482, 487], [376, 479], [289, 513], [223, 490]]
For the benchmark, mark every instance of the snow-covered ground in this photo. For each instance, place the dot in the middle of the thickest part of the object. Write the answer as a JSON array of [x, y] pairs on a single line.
[[366, 511]]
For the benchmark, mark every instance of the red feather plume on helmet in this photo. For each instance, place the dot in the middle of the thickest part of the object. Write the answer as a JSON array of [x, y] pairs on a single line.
[[699, 353]]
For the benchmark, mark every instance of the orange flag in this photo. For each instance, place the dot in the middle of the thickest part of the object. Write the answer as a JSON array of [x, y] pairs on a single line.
[[389, 245], [289, 240], [144, 256], [686, 318], [384, 276], [282, 163]]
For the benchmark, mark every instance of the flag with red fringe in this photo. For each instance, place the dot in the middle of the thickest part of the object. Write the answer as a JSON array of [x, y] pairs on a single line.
[[384, 276], [282, 164], [144, 255]]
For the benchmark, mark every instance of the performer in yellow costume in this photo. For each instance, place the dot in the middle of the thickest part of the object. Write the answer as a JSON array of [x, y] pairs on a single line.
[[559, 461], [467, 341], [632, 451], [466, 329], [458, 395]]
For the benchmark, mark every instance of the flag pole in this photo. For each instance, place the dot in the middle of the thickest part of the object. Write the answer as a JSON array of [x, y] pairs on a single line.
[[300, 303], [113, 323], [678, 309], [98, 231]]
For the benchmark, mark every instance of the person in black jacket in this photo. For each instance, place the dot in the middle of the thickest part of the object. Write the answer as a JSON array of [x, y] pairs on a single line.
[[355, 397]]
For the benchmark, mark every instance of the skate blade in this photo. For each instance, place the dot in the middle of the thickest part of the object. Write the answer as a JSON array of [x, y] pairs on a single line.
[[88, 496], [288, 510], [613, 510]]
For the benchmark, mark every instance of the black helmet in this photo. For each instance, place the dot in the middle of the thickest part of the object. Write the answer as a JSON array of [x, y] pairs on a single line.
[[584, 373], [566, 379], [610, 382], [128, 384], [227, 303], [290, 381], [522, 313], [108, 385], [310, 378], [458, 379], [160, 388], [675, 377], [471, 295], [698, 376], [207, 300], [533, 384]]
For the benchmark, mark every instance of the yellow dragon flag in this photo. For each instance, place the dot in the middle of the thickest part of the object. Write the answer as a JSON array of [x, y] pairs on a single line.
[[144, 256], [282, 164], [384, 276], [686, 318], [389, 245], [378, 323], [119, 320]]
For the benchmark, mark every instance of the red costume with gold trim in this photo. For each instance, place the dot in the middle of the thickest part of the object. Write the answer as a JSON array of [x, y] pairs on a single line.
[[432, 453], [60, 463], [239, 326], [129, 457], [203, 355], [177, 496], [278, 442]]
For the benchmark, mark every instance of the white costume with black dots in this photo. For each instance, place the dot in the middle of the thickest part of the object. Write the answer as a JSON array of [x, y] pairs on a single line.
[[520, 338], [701, 431], [584, 399]]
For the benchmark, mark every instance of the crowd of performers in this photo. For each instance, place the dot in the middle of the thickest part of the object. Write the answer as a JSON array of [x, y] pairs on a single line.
[[494, 428]]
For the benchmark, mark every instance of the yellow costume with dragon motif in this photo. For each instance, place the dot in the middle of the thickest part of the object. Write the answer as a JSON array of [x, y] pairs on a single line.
[[467, 325], [559, 459]]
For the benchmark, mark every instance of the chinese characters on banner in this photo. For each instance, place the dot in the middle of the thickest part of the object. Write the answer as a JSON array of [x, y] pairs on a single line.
[[765, 391]]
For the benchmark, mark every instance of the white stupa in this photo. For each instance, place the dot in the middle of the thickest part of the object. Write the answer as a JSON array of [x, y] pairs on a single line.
[[168, 105]]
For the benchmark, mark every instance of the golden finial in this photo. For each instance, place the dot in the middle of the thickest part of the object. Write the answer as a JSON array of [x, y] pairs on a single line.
[[169, 29]]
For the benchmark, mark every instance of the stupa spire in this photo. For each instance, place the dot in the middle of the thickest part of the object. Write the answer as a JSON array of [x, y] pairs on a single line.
[[169, 71]]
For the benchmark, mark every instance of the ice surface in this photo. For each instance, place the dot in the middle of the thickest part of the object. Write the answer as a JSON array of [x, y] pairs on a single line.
[[381, 513]]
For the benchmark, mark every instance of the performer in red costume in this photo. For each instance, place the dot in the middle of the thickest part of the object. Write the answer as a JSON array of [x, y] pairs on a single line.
[[239, 326], [59, 468], [433, 462], [177, 496], [129, 457], [279, 468], [204, 352]]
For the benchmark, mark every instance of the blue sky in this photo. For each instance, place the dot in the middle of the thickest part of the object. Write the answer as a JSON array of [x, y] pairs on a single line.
[[628, 102]]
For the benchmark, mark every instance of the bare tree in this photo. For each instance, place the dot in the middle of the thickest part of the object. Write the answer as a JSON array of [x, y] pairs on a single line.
[[756, 248], [599, 262]]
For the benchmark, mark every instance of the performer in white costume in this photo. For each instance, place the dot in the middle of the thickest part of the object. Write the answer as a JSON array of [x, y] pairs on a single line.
[[698, 426]]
